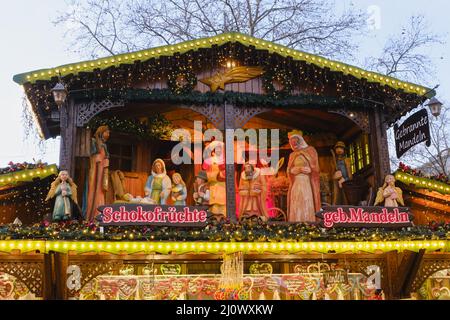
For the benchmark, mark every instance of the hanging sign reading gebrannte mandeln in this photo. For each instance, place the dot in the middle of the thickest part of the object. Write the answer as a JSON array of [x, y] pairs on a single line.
[[415, 130]]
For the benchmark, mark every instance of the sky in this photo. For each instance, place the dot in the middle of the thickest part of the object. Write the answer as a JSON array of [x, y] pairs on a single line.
[[31, 41]]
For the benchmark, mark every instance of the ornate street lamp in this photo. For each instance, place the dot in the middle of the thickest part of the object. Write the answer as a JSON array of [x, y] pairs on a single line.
[[59, 94], [435, 106]]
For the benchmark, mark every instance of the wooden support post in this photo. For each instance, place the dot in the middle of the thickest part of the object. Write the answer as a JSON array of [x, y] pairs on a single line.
[[405, 264], [286, 270], [407, 271], [49, 287], [392, 274], [67, 120], [63, 150], [61, 264], [415, 267], [229, 123], [55, 276], [379, 147]]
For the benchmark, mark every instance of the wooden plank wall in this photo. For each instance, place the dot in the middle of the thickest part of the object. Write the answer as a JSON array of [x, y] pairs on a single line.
[[83, 142], [251, 86]]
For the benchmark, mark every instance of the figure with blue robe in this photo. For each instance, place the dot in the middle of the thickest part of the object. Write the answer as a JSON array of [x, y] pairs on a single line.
[[158, 186], [64, 191]]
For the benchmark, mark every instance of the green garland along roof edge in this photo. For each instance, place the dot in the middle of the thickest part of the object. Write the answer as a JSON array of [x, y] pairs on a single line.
[[208, 42], [199, 98], [249, 232]]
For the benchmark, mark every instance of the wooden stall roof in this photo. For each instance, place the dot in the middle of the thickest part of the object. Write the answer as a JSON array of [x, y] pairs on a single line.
[[398, 96], [427, 205], [202, 43]]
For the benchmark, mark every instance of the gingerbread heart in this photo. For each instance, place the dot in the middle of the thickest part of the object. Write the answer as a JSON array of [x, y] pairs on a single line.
[[127, 287], [21, 288], [170, 269], [6, 289], [108, 289], [261, 268]]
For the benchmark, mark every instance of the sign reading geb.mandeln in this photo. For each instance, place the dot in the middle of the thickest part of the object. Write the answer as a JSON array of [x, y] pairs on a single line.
[[367, 217], [156, 215]]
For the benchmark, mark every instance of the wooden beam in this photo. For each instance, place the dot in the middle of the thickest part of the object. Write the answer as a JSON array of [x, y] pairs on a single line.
[[350, 133], [429, 204], [337, 120], [260, 123], [402, 273], [415, 267], [379, 147], [392, 274], [61, 264], [48, 279], [287, 118], [194, 258]]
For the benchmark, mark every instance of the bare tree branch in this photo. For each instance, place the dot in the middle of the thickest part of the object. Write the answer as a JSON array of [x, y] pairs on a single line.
[[406, 55], [113, 26]]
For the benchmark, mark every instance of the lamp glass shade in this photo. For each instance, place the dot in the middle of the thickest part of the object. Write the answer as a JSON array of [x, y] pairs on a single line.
[[59, 94], [435, 106]]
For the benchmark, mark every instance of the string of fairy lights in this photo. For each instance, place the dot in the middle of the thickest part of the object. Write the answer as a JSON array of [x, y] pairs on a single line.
[[420, 190], [222, 247], [25, 201], [423, 182], [27, 175], [23, 189], [204, 43]]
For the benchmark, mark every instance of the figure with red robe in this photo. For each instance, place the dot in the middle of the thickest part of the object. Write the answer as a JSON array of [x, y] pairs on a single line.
[[252, 191], [98, 172]]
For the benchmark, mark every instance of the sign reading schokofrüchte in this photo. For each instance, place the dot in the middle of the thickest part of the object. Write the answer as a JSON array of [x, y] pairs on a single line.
[[367, 217], [414, 130], [155, 215]]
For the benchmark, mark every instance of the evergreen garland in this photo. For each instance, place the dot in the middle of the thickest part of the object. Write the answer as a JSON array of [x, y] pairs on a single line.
[[157, 128], [16, 167], [236, 98], [283, 76], [182, 80], [246, 232]]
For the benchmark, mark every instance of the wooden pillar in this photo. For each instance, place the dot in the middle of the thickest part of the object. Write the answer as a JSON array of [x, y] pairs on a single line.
[[68, 113], [55, 276], [402, 279], [229, 123], [405, 264], [285, 269], [415, 267], [61, 264], [392, 275], [49, 286], [379, 143], [63, 151]]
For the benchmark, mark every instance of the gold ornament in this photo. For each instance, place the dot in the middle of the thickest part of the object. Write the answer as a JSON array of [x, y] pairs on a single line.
[[235, 75]]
